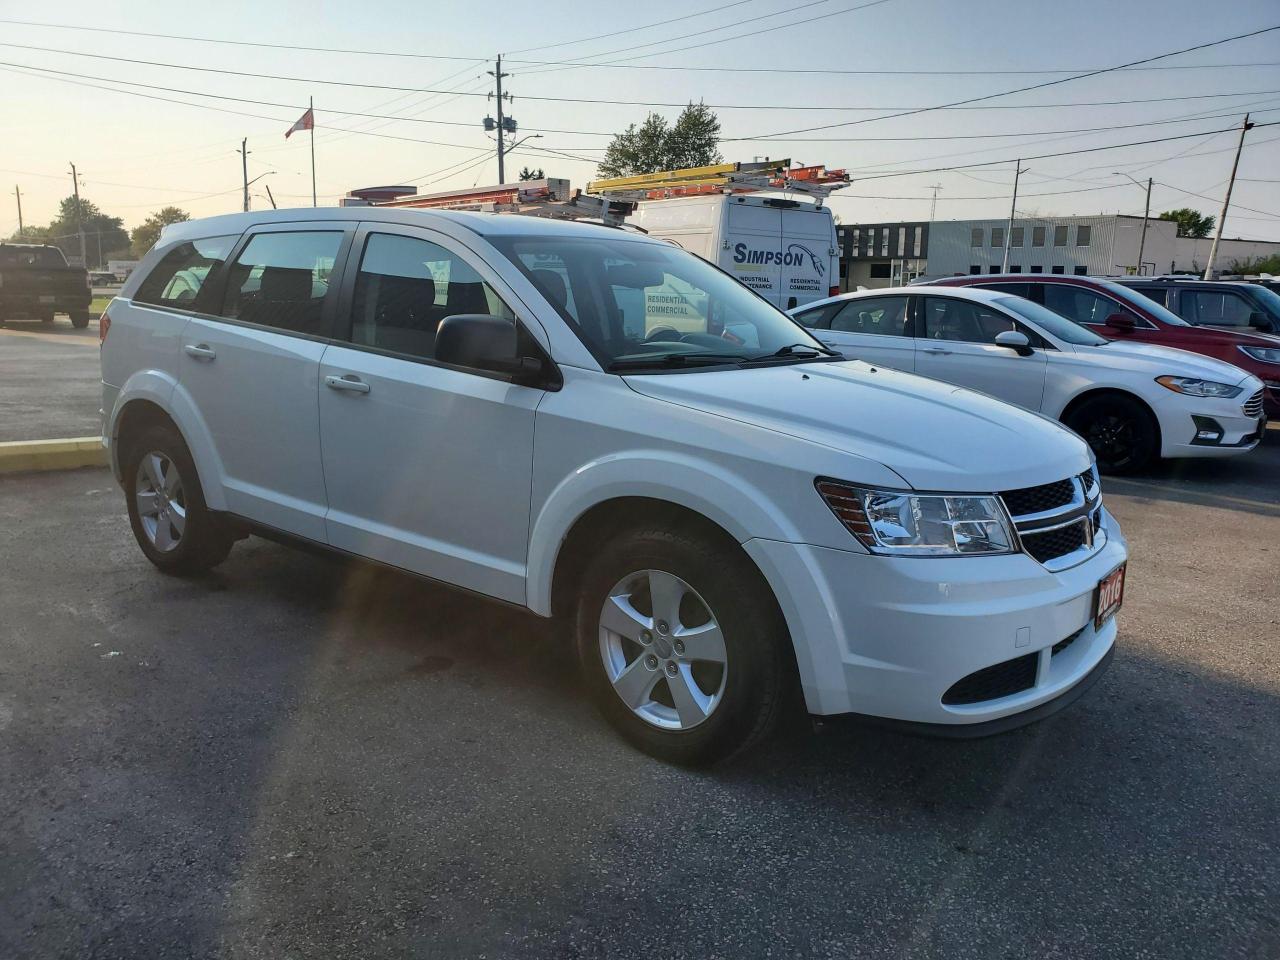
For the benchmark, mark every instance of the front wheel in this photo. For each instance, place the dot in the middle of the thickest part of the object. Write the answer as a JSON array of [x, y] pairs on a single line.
[[167, 512], [681, 645], [1120, 431]]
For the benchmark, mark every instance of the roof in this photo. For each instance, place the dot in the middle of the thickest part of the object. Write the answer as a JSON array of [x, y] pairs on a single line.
[[484, 224], [976, 294]]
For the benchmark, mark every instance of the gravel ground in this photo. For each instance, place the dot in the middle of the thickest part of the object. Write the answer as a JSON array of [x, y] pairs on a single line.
[[299, 757]]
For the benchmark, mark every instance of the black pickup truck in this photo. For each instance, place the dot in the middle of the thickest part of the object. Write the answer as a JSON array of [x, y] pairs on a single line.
[[36, 282]]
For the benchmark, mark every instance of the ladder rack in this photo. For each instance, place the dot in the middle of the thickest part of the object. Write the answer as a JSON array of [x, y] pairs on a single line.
[[776, 175], [551, 197]]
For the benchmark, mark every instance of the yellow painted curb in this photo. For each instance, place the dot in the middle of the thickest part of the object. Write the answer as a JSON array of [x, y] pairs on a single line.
[[17, 456]]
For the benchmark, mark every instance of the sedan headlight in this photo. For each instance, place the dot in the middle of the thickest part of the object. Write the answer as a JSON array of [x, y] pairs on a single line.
[[1192, 387], [920, 525], [1265, 354]]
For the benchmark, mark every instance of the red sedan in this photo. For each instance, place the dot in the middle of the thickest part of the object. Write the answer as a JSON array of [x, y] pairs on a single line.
[[1118, 313]]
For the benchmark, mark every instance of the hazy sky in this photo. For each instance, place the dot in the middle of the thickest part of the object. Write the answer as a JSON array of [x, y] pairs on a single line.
[[135, 155]]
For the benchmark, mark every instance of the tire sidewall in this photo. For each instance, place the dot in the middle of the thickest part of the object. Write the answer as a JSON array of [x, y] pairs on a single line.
[[739, 600]]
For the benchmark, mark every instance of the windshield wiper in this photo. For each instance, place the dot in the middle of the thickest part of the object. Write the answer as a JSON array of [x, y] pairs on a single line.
[[675, 360], [799, 350]]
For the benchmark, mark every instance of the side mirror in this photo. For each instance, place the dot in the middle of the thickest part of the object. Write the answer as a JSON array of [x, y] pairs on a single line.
[[484, 342], [1016, 341], [1118, 321]]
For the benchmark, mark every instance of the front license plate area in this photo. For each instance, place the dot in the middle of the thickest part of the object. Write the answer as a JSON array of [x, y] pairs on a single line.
[[1108, 597]]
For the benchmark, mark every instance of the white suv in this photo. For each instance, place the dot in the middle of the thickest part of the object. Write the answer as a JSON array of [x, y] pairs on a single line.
[[609, 430], [1133, 402]]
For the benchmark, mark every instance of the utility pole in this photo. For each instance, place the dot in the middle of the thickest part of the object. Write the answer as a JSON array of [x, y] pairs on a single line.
[[75, 184], [1008, 232], [18, 193], [504, 125], [933, 207], [1146, 214], [244, 170], [1226, 201], [270, 197]]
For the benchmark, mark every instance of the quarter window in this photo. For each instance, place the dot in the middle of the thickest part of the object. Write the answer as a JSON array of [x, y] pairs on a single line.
[[406, 287], [281, 279], [177, 279], [884, 316]]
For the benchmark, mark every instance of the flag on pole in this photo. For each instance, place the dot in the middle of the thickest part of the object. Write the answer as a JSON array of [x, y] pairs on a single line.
[[306, 122]]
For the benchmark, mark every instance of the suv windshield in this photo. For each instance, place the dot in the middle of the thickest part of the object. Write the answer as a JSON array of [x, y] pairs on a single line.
[[639, 304], [1052, 323], [1136, 299]]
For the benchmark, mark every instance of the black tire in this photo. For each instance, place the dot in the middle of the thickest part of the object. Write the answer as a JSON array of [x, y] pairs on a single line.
[[204, 541], [1121, 432], [46, 318], [79, 319], [760, 668]]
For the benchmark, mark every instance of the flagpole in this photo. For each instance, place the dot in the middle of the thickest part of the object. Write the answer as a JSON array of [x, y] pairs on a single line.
[[313, 151]]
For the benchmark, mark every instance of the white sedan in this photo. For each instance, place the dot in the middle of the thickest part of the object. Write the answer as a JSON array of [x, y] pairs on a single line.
[[1131, 402]]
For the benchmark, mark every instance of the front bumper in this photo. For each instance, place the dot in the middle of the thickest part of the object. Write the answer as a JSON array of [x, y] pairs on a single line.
[[1180, 429], [888, 636]]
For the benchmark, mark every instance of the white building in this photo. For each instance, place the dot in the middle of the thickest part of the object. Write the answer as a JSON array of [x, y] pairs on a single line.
[[885, 254]]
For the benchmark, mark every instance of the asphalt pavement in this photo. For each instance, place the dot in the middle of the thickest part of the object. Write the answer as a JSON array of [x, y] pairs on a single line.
[[299, 757], [50, 380]]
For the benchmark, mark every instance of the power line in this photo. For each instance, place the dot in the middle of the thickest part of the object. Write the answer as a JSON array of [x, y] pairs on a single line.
[[1036, 86], [647, 26]]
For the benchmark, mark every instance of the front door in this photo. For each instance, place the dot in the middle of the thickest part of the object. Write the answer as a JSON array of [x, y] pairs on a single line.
[[874, 329], [958, 346], [252, 372], [427, 467]]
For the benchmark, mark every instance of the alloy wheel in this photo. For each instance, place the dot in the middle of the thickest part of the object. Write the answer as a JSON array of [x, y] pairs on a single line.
[[663, 650], [161, 502]]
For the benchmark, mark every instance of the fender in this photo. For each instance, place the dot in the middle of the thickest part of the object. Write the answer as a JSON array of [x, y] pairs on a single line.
[[167, 393], [741, 509]]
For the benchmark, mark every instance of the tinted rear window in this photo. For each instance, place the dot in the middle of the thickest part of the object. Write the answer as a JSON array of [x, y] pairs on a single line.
[[31, 257]]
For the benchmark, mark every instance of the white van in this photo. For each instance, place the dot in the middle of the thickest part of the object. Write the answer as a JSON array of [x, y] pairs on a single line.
[[783, 249]]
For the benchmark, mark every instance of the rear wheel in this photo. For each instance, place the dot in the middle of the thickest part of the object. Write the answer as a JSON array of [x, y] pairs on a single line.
[[681, 646], [79, 319], [167, 512], [1121, 432], [46, 318]]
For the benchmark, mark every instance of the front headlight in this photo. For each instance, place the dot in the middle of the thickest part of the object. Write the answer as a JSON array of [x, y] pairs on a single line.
[[1192, 387], [1265, 354], [920, 525]]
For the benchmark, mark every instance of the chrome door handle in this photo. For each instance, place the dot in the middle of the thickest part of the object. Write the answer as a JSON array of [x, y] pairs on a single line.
[[201, 351], [348, 382]]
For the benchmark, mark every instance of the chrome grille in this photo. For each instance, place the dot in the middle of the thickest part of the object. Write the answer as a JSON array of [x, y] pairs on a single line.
[[1253, 406], [1059, 523]]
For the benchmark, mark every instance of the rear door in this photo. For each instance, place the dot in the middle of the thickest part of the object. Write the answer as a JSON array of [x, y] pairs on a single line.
[[875, 329], [252, 371], [753, 234], [957, 345], [808, 255]]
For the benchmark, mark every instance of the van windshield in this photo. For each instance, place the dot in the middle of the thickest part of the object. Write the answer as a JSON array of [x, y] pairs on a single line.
[[638, 304]]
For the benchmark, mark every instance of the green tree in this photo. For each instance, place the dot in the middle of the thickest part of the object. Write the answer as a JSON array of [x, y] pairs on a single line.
[[145, 235], [654, 145], [527, 174], [1191, 223], [101, 232]]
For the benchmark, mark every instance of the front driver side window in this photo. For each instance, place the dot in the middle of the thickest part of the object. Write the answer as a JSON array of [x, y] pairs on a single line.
[[1083, 306], [966, 322]]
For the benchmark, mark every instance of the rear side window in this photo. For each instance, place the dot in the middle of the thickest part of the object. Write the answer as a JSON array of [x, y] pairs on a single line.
[[406, 287], [281, 279], [814, 318], [1083, 306], [178, 278], [883, 316]]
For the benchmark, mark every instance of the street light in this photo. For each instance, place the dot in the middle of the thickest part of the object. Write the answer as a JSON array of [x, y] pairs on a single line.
[[1146, 214]]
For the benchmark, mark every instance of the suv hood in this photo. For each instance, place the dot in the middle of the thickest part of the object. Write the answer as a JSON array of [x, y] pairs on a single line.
[[1160, 360], [934, 435]]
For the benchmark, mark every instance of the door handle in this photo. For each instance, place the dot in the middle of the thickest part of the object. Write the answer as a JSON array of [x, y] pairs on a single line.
[[201, 351], [936, 351], [347, 382]]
